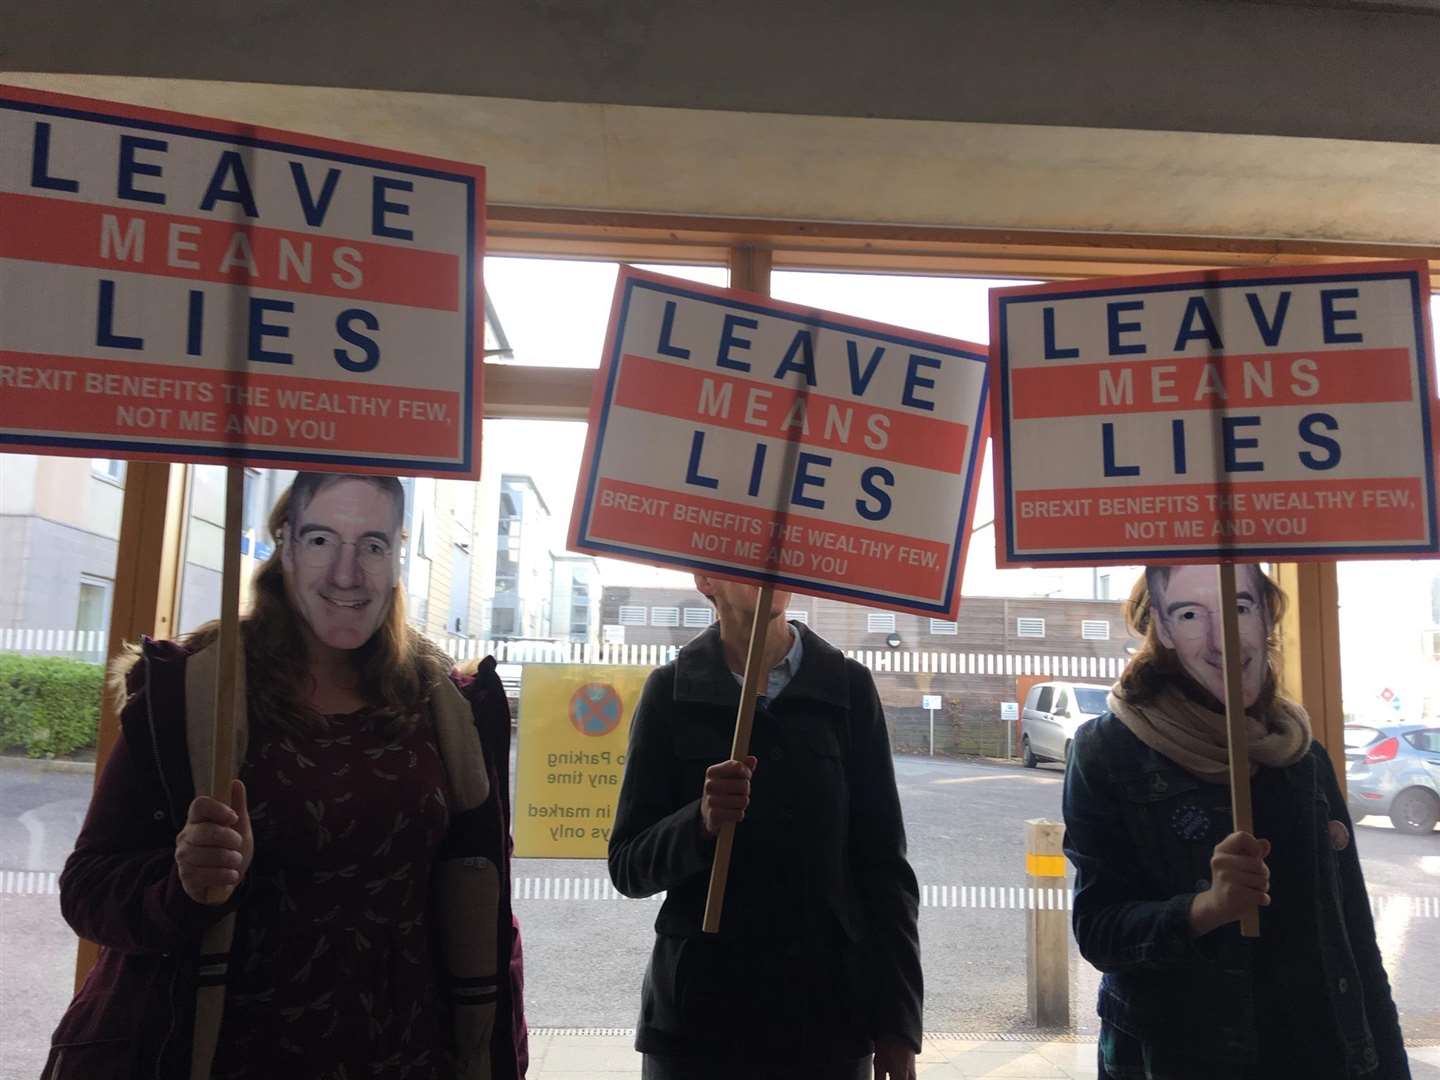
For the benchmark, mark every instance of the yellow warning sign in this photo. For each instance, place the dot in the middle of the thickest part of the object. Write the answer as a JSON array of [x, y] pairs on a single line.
[[574, 728]]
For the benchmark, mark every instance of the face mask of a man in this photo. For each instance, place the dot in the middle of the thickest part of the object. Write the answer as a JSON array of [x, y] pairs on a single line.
[[1186, 612]]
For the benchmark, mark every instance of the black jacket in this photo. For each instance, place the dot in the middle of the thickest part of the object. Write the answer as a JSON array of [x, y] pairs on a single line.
[[1140, 831], [818, 952]]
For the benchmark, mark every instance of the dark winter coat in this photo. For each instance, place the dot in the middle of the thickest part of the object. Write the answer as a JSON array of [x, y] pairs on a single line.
[[818, 953], [1140, 831], [134, 1015]]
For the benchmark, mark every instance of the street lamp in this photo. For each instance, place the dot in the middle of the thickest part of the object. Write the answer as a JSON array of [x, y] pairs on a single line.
[[893, 640]]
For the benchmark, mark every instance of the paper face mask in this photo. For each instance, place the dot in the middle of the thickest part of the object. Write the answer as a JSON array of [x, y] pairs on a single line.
[[1185, 607]]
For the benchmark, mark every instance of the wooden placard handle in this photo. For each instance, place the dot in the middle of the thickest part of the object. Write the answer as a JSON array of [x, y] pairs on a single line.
[[223, 764], [755, 680], [1235, 726]]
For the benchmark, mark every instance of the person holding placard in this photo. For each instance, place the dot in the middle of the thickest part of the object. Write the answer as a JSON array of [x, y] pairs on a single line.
[[345, 912], [1162, 878], [816, 969]]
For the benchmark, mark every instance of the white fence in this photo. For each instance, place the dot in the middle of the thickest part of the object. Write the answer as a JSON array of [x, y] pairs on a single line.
[[86, 645], [90, 645]]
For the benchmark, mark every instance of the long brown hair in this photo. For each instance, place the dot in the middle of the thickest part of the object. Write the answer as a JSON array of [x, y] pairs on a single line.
[[1155, 666], [398, 667]]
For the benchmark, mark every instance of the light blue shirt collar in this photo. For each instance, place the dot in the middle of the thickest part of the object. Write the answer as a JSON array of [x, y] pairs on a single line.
[[784, 671]]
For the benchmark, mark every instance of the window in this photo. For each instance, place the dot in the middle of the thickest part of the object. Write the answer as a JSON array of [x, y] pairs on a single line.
[[799, 615], [94, 611], [665, 616], [1094, 629], [460, 591], [1427, 742], [1030, 628], [502, 622], [1102, 586], [1357, 736], [108, 469], [1062, 703], [943, 626], [1043, 699], [255, 516], [697, 617], [976, 729]]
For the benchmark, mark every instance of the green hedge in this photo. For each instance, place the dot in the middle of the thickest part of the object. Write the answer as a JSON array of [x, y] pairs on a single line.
[[48, 706]]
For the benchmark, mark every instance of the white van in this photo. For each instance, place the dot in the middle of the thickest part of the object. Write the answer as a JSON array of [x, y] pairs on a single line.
[[1053, 711]]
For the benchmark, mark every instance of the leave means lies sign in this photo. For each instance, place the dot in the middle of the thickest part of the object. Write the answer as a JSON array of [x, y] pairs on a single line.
[[1285, 413], [190, 289], [757, 439]]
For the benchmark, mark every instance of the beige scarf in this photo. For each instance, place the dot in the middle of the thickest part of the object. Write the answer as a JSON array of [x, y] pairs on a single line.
[[1193, 736]]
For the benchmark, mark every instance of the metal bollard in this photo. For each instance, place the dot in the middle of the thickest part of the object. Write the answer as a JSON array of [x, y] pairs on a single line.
[[1047, 927]]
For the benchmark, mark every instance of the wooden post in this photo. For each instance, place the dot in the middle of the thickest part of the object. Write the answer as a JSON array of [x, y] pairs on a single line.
[[755, 679], [1235, 724], [1310, 652], [1047, 926]]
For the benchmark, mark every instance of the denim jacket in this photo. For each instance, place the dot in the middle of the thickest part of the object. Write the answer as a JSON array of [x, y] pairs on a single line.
[[1138, 866]]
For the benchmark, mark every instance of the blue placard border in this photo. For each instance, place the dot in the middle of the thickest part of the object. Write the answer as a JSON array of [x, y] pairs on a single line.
[[225, 453], [582, 537], [1136, 556]]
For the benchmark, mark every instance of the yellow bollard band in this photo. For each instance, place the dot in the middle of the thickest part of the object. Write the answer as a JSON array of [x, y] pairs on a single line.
[[1044, 865]]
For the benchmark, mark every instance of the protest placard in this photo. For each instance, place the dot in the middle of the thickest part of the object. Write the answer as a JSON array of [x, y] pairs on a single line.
[[177, 288], [186, 289], [1216, 416], [571, 757], [760, 440], [1238, 415]]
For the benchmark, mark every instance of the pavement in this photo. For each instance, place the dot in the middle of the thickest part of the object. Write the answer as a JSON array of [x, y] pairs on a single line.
[[571, 1056], [568, 1055]]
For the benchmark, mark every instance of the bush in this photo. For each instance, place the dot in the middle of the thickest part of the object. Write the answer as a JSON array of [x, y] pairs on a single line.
[[49, 706]]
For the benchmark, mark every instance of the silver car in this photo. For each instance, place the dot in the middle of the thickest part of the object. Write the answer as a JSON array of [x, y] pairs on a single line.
[[1053, 711], [1394, 770]]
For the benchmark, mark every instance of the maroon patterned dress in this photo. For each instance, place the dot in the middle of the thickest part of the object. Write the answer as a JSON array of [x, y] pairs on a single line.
[[333, 973]]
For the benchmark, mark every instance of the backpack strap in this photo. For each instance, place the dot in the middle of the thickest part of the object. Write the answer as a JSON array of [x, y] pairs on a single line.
[[459, 747], [468, 893]]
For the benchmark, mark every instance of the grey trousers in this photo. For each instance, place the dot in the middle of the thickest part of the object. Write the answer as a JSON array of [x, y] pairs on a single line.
[[656, 1067]]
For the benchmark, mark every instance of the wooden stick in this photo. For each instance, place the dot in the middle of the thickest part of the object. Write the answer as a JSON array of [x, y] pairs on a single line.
[[755, 681], [1235, 724], [227, 684]]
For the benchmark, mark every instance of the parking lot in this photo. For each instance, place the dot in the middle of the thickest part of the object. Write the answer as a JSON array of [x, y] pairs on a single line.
[[585, 948]]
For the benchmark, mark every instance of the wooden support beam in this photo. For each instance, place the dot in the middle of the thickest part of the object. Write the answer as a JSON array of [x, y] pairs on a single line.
[[517, 391], [1310, 652]]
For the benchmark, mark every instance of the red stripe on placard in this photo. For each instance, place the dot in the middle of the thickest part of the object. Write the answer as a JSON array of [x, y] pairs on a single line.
[[73, 233], [721, 532], [190, 406], [765, 409], [1293, 513], [1179, 384]]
